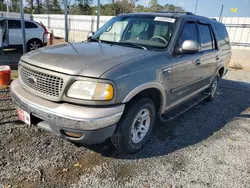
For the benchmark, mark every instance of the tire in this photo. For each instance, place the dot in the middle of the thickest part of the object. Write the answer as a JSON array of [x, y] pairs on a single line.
[[34, 44], [130, 142], [212, 90]]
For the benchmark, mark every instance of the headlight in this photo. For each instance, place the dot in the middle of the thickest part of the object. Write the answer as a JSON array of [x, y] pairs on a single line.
[[91, 91]]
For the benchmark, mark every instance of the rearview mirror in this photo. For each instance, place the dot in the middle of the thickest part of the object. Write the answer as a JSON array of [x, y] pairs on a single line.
[[189, 47]]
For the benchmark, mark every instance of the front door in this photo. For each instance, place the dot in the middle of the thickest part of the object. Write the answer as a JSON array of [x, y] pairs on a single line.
[[185, 67], [3, 27]]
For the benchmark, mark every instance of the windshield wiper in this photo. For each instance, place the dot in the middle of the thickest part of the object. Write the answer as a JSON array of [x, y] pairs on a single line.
[[135, 44]]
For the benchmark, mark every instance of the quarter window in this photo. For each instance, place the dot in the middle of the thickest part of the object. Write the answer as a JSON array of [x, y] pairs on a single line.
[[207, 41], [30, 25], [223, 37]]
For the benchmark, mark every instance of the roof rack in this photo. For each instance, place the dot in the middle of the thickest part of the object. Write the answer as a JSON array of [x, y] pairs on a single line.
[[176, 12]]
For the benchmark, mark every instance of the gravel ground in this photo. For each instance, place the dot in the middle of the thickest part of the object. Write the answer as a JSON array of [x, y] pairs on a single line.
[[206, 147]]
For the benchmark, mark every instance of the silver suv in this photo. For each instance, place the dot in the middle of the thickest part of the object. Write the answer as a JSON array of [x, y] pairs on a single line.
[[133, 70]]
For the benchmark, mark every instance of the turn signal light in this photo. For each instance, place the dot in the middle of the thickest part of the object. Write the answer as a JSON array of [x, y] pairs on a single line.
[[73, 134]]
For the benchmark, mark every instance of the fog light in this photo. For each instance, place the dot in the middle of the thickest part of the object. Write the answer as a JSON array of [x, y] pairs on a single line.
[[73, 134]]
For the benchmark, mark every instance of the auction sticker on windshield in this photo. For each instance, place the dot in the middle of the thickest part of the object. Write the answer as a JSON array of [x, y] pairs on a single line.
[[165, 19]]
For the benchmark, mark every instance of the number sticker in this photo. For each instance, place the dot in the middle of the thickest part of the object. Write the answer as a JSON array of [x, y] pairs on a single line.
[[165, 19]]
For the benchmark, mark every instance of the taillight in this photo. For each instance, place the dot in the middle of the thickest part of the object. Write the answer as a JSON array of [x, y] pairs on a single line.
[[45, 33], [45, 29]]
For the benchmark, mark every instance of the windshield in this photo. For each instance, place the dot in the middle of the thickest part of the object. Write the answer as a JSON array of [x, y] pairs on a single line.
[[145, 32]]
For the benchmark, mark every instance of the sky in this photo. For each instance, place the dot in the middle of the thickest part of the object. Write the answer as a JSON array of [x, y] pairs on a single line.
[[210, 8]]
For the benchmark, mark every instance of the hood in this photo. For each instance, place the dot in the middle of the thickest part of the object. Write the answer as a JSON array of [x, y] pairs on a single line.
[[89, 59]]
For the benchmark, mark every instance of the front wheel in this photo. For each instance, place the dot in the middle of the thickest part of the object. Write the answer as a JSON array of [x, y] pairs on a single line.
[[135, 126], [212, 90]]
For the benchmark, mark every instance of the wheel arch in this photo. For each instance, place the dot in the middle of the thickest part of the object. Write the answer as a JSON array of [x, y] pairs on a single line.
[[153, 88], [221, 71]]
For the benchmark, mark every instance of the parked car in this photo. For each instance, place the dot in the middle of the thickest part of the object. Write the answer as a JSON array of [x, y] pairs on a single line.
[[36, 34], [131, 71]]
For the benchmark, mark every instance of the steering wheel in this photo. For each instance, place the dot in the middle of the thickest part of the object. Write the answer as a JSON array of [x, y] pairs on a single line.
[[161, 38]]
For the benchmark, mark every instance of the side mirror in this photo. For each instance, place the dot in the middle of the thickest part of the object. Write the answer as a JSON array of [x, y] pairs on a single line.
[[90, 34], [190, 47], [187, 47]]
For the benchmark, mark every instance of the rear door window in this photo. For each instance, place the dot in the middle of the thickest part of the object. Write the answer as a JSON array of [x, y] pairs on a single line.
[[14, 24], [207, 40]]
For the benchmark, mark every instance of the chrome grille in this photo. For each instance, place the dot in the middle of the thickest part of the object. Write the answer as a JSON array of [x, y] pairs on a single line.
[[40, 82]]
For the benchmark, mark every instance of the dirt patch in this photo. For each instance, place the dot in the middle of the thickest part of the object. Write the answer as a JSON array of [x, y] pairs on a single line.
[[236, 66], [126, 171], [75, 170]]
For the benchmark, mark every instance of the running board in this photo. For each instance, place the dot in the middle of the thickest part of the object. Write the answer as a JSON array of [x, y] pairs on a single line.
[[177, 111]]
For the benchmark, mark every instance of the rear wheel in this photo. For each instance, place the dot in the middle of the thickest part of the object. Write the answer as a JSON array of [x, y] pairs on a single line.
[[212, 90], [135, 126], [34, 44]]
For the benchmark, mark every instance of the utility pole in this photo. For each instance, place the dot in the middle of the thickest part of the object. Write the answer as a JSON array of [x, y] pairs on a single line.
[[7, 6], [196, 5], [222, 8], [66, 20], [23, 26], [98, 14]]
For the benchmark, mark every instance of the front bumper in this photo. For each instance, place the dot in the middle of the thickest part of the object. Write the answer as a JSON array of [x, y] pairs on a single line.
[[96, 124]]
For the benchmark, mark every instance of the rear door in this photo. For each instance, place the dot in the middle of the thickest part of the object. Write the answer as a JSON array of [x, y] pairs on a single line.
[[209, 53], [185, 67], [15, 32], [223, 44], [33, 31]]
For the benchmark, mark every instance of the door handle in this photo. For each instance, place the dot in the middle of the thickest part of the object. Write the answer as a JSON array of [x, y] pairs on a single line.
[[197, 62], [167, 70], [217, 58]]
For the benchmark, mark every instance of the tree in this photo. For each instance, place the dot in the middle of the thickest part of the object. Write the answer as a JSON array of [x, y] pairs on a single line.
[[30, 4], [3, 5], [84, 6], [38, 7], [55, 6], [15, 6], [153, 3], [47, 7]]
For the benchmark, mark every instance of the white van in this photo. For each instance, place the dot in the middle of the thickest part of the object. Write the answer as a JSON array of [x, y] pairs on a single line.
[[36, 34]]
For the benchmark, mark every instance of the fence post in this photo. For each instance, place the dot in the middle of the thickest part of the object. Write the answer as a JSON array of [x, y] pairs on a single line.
[[92, 24], [66, 21], [48, 21]]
